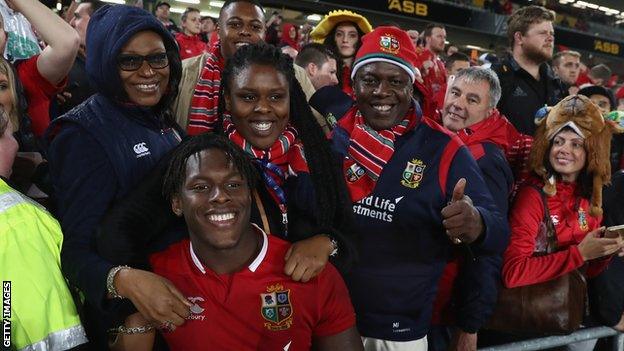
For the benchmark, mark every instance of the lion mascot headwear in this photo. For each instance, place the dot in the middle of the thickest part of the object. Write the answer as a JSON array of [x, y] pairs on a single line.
[[582, 116]]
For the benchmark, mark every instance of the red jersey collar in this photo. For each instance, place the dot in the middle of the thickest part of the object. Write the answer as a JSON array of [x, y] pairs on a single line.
[[253, 266]]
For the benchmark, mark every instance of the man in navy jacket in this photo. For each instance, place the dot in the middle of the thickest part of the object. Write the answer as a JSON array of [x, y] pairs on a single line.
[[468, 289], [417, 194]]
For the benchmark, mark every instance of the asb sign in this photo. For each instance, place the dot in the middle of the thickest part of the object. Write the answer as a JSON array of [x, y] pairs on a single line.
[[409, 7]]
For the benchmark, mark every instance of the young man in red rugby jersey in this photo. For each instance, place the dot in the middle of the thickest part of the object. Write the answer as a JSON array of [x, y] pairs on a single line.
[[233, 272]]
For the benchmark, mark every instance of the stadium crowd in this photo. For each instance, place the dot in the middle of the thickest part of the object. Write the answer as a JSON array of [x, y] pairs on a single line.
[[244, 183]]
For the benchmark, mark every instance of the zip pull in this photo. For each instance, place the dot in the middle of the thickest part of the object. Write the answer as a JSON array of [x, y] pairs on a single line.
[[284, 214]]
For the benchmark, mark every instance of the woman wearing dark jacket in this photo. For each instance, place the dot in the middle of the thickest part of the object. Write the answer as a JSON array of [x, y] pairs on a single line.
[[303, 200], [101, 150]]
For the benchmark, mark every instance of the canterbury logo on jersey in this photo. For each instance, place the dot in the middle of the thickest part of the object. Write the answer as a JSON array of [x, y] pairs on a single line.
[[197, 311], [141, 149]]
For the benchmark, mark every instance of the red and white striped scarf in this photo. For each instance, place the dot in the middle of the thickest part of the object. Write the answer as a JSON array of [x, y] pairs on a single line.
[[286, 152], [205, 100], [369, 150]]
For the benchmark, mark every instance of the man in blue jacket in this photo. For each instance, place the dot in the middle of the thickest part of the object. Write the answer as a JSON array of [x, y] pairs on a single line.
[[417, 193]]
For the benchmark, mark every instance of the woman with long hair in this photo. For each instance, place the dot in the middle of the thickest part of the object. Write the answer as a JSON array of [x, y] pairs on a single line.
[[570, 162], [13, 101], [301, 198], [342, 32]]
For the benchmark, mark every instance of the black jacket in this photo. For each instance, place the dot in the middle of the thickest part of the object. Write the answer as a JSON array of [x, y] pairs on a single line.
[[522, 95]]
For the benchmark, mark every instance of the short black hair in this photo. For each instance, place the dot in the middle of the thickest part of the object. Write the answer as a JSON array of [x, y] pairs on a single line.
[[314, 53], [212, 19], [229, 2], [458, 56], [95, 5], [176, 172], [161, 3]]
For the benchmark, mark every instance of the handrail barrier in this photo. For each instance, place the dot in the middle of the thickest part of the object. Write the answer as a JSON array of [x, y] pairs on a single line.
[[560, 340]]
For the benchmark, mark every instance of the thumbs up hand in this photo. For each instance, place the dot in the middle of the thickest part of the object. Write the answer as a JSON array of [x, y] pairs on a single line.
[[462, 221]]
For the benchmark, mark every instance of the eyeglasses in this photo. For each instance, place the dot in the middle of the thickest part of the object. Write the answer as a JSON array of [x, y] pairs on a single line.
[[132, 62]]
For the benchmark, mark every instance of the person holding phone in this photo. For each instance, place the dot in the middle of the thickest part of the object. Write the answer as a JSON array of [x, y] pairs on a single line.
[[565, 153]]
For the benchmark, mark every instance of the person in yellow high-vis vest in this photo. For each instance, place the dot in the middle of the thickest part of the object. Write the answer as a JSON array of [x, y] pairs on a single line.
[[42, 313]]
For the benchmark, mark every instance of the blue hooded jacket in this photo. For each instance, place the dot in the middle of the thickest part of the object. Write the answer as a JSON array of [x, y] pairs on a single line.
[[99, 151]]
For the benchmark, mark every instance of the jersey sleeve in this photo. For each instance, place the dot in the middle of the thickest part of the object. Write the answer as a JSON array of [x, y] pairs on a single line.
[[519, 266], [335, 310], [38, 92]]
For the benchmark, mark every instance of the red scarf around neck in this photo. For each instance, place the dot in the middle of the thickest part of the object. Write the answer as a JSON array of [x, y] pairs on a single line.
[[369, 150], [286, 153], [205, 100]]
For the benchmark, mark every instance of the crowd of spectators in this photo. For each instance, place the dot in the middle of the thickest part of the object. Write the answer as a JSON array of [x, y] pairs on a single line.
[[247, 183]]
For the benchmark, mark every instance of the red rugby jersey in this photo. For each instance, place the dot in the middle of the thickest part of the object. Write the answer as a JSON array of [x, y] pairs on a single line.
[[258, 308]]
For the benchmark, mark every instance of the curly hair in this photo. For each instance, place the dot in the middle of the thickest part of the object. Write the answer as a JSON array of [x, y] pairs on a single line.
[[328, 182]]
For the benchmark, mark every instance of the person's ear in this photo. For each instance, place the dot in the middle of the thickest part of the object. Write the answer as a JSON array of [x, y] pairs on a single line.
[[176, 205], [311, 68], [518, 37]]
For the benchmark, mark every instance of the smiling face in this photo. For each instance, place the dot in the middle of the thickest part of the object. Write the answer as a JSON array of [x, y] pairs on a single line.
[[466, 103], [346, 39], [145, 86], [537, 44], [259, 101], [241, 23], [567, 155], [383, 92], [215, 201]]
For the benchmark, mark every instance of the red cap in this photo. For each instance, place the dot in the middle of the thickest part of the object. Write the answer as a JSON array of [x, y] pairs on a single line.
[[386, 44]]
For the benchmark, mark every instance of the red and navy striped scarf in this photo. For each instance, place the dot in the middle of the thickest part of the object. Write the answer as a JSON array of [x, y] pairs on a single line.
[[283, 159], [205, 100], [369, 150]]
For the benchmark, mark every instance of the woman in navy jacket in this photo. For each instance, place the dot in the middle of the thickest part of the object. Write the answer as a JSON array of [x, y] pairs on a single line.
[[101, 150]]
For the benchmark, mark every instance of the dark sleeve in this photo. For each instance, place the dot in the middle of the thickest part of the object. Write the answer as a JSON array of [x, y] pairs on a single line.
[[85, 185], [605, 293], [137, 222], [302, 212], [476, 290], [496, 229], [497, 176]]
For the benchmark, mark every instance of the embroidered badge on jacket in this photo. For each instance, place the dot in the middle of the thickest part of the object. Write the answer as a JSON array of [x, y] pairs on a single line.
[[413, 173], [582, 219], [354, 173], [276, 308]]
